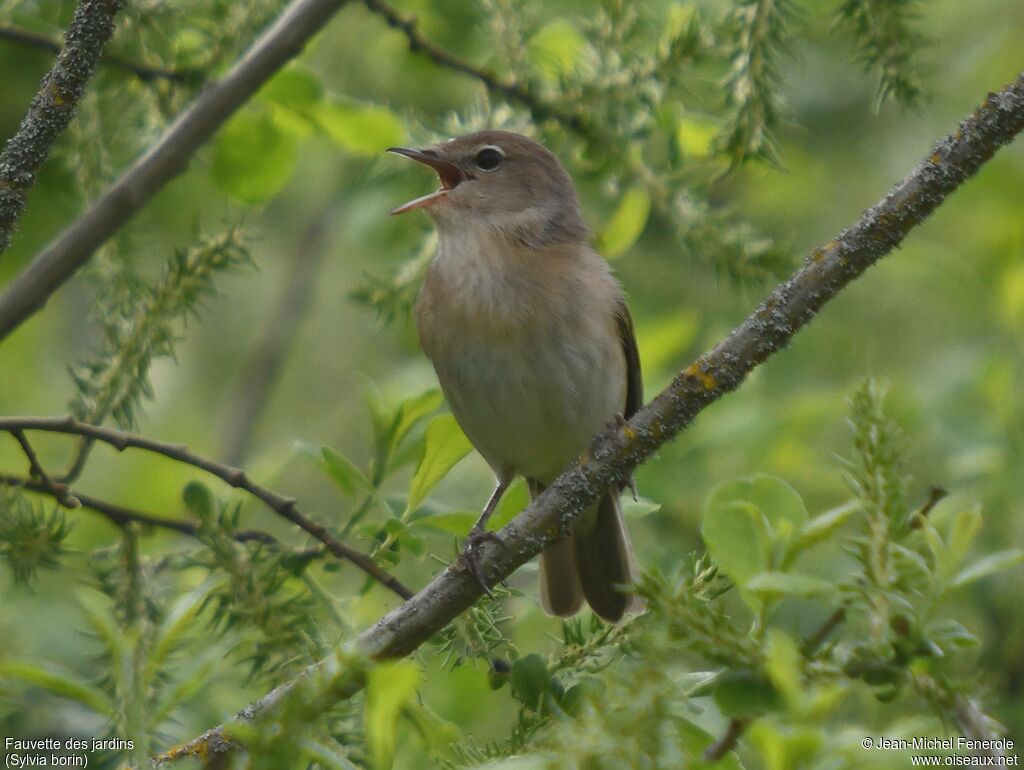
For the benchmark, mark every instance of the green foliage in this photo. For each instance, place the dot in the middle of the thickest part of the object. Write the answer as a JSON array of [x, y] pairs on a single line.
[[786, 693], [30, 539], [756, 30], [141, 323], [889, 43], [252, 591], [812, 621]]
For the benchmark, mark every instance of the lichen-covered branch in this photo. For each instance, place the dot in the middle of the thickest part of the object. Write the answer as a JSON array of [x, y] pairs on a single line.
[[144, 72], [170, 156], [283, 506], [616, 453], [53, 107]]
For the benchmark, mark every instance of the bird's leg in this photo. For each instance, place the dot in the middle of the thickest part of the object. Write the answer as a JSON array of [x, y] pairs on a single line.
[[480, 533]]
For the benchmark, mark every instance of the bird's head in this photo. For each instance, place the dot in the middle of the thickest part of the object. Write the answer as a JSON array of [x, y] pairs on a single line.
[[499, 181]]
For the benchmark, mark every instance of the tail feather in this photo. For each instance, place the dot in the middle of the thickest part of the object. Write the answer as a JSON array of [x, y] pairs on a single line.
[[560, 590], [605, 561], [593, 563]]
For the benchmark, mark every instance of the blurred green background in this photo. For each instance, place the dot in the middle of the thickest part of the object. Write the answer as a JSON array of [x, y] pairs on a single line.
[[942, 319]]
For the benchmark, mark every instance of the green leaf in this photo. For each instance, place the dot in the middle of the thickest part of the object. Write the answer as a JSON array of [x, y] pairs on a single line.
[[344, 472], [787, 584], [695, 137], [410, 412], [637, 509], [455, 523], [516, 498], [962, 533], [784, 664], [736, 535], [557, 49], [994, 562], [626, 224], [253, 158], [744, 693], [821, 526], [697, 740], [446, 444], [781, 510], [58, 682], [350, 479], [363, 129], [199, 500], [952, 634], [294, 87], [389, 687], [530, 679]]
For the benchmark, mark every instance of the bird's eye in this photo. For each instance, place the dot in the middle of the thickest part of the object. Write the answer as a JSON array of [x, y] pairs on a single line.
[[489, 158]]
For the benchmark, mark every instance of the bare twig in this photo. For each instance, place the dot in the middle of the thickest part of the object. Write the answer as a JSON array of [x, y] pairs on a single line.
[[615, 453], [120, 515], [815, 640], [143, 72], [53, 107], [727, 742], [935, 496], [235, 477], [59, 491], [539, 109], [281, 42], [263, 367]]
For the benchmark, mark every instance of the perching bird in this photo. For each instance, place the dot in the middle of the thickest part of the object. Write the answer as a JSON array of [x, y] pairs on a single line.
[[532, 342]]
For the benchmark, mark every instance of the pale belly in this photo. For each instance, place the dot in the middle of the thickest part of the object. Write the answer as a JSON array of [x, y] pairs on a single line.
[[532, 402]]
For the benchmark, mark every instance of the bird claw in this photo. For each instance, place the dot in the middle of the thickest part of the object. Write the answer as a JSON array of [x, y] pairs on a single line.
[[476, 537], [631, 483]]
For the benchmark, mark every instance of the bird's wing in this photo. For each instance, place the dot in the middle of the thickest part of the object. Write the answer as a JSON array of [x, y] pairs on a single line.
[[634, 381]]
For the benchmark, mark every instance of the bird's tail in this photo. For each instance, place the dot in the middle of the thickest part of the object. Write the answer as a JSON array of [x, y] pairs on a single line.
[[594, 563]]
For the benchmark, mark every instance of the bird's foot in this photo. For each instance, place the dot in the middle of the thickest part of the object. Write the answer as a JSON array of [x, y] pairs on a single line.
[[470, 554]]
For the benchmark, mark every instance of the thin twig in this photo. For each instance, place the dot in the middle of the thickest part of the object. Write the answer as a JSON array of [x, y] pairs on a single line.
[[143, 72], [59, 491], [53, 107], [120, 515], [235, 477], [815, 640], [727, 742], [615, 453], [935, 496], [539, 109], [56, 263]]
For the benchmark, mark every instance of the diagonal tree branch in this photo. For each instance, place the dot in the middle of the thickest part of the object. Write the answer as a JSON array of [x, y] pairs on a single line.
[[53, 107], [615, 453], [235, 477], [144, 72], [278, 44]]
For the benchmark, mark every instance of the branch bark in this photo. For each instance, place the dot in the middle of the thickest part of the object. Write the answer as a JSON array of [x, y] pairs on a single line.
[[615, 453], [53, 107], [235, 477], [169, 157]]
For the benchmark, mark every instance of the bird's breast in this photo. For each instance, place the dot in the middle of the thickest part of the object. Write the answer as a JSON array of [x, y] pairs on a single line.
[[526, 350]]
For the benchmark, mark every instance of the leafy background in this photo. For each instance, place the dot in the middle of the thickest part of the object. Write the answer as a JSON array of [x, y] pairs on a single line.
[[300, 176]]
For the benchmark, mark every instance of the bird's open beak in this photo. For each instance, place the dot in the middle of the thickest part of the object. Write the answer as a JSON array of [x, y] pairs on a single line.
[[449, 174]]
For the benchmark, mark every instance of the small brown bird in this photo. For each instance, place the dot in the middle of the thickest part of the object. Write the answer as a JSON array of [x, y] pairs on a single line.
[[532, 342]]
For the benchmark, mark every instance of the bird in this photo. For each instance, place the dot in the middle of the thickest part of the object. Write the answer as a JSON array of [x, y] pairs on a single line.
[[532, 342]]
